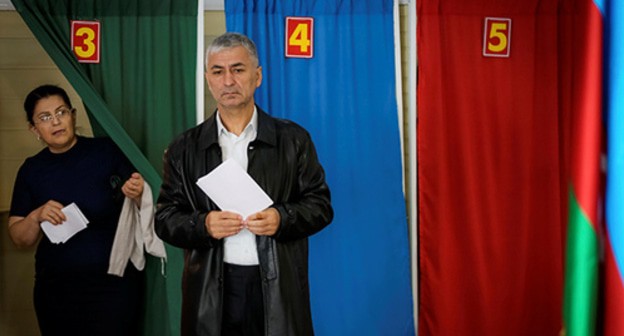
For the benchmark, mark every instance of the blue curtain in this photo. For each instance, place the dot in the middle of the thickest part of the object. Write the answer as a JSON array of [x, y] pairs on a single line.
[[345, 97]]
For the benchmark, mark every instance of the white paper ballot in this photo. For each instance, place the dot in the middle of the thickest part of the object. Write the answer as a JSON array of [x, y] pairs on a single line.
[[232, 189], [74, 223]]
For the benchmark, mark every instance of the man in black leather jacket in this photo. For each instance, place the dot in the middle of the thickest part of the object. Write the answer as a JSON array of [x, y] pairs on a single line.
[[243, 276]]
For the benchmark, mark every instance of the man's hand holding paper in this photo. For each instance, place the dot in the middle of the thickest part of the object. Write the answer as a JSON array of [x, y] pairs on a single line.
[[221, 224], [242, 201], [264, 223]]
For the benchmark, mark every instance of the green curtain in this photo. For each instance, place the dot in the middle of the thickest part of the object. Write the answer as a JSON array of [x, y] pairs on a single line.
[[141, 94]]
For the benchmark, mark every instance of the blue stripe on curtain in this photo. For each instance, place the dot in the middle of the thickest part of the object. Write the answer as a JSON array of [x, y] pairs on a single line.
[[345, 97]]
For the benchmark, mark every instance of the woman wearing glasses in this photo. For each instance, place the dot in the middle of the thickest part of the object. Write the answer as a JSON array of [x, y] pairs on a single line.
[[73, 293]]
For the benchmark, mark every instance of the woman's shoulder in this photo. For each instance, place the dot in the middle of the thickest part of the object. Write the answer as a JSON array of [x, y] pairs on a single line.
[[38, 158], [35, 163], [101, 144], [96, 141]]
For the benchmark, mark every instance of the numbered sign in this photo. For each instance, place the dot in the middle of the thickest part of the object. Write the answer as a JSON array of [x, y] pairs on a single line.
[[85, 41], [497, 37], [299, 37]]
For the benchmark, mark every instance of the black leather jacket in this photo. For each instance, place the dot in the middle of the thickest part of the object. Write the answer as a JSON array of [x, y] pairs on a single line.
[[283, 161]]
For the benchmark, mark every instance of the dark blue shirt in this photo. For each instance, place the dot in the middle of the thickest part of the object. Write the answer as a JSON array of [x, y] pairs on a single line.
[[89, 174]]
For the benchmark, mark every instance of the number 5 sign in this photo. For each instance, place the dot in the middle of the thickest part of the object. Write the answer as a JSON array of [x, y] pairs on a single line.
[[496, 37], [85, 41], [299, 37]]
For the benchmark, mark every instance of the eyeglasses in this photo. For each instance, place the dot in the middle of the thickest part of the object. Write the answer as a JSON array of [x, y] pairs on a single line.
[[47, 118]]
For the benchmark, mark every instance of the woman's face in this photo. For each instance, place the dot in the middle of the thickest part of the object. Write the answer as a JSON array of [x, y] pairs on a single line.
[[54, 122]]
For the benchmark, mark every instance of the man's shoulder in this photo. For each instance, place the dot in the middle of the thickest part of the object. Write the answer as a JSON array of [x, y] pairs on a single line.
[[287, 127], [192, 136]]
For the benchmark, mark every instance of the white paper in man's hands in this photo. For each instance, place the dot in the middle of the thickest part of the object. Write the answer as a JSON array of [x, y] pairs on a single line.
[[232, 189], [74, 223]]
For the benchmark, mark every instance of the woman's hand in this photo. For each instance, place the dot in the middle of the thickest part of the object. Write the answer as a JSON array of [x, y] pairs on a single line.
[[25, 231], [133, 188], [50, 211]]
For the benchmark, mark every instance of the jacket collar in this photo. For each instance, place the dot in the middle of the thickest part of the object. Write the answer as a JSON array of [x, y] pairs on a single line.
[[209, 133]]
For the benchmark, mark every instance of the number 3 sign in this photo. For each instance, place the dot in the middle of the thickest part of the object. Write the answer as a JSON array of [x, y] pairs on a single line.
[[496, 37], [299, 37], [85, 38]]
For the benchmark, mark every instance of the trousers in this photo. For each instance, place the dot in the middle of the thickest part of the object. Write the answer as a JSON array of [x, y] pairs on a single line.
[[243, 307]]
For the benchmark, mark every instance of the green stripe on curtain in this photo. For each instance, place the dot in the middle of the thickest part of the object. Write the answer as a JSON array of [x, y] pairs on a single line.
[[141, 94], [581, 273]]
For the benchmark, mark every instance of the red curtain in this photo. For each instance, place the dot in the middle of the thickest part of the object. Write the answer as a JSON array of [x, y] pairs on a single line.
[[492, 177]]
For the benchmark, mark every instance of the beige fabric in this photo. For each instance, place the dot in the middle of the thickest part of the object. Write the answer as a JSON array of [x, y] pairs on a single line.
[[135, 234]]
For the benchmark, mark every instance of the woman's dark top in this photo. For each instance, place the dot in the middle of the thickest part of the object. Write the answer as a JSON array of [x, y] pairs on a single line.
[[89, 174]]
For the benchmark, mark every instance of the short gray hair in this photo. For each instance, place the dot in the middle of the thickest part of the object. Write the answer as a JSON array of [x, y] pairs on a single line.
[[231, 40]]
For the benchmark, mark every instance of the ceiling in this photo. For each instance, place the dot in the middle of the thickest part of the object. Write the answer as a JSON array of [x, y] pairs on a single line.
[[208, 5]]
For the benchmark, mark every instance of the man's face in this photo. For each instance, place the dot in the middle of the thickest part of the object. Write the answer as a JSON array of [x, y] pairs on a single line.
[[232, 77]]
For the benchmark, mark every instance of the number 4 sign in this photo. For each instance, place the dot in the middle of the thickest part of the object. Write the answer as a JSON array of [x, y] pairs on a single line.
[[497, 37], [299, 37], [85, 41]]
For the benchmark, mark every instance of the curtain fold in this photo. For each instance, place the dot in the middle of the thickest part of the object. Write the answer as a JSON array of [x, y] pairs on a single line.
[[582, 37], [141, 94], [345, 97]]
